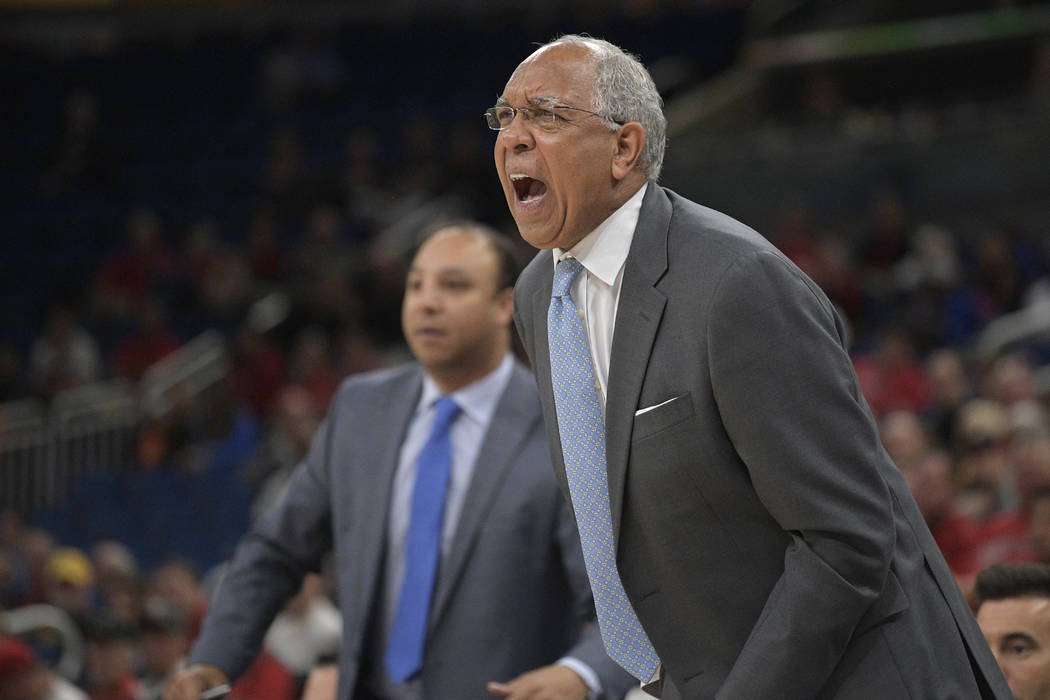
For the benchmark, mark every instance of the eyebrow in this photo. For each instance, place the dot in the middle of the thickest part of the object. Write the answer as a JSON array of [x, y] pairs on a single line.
[[1019, 637], [538, 100], [543, 100]]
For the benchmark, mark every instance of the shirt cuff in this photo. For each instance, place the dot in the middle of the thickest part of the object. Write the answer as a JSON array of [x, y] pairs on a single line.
[[590, 678]]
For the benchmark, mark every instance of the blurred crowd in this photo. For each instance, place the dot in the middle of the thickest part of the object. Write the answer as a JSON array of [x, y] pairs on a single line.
[[970, 433], [306, 290], [136, 626]]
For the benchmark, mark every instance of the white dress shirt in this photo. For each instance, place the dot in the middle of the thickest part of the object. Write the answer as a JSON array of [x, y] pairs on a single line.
[[596, 291]]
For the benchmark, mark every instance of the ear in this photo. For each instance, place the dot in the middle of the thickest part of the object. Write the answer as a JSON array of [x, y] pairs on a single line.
[[630, 142], [505, 304]]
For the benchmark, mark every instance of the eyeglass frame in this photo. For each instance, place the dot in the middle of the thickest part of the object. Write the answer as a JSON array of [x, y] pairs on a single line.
[[536, 107]]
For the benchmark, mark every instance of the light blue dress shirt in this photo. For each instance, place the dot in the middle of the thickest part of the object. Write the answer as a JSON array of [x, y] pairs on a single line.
[[478, 403]]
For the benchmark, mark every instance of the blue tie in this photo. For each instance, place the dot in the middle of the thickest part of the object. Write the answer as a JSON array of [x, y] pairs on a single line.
[[582, 429], [404, 651]]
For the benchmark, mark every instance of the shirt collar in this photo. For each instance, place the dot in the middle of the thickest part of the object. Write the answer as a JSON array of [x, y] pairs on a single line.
[[604, 250], [478, 399]]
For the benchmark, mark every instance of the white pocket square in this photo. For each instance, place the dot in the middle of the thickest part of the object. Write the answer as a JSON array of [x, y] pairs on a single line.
[[640, 411]]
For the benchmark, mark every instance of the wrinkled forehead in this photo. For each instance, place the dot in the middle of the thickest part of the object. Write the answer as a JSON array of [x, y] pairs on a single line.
[[562, 72]]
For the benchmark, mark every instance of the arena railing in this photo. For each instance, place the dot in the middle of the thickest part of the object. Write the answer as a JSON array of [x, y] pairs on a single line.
[[43, 450]]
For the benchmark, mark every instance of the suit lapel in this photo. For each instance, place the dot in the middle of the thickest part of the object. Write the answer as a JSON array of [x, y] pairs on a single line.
[[514, 417], [638, 317], [377, 446], [386, 435]]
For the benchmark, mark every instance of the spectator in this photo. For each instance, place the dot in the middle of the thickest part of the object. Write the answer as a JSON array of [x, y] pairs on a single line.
[[258, 371], [1010, 380], [990, 490], [310, 366], [892, 378], [323, 268], [177, 582], [200, 249], [24, 677], [117, 579], [982, 445], [265, 256], [65, 355], [164, 636], [955, 533], [922, 281], [111, 646], [950, 388], [1031, 456], [1013, 610], [904, 438], [836, 273], [37, 545], [887, 240], [1039, 524], [70, 583], [307, 630], [285, 180], [226, 289], [1006, 264], [146, 265], [928, 471], [150, 341]]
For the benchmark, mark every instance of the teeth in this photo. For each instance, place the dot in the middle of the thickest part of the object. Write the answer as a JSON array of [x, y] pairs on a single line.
[[517, 176]]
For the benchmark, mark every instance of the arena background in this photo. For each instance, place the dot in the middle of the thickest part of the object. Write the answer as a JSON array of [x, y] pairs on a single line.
[[206, 208]]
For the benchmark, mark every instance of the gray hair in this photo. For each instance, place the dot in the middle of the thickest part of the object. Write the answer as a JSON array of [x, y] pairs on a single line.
[[625, 92]]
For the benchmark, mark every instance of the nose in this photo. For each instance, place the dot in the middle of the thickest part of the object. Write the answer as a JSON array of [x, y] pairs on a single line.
[[427, 298], [517, 135]]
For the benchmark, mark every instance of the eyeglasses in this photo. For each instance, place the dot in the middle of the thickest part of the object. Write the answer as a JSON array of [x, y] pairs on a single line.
[[546, 116]]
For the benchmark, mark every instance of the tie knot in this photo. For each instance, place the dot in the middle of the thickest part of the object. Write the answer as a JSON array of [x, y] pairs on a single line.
[[564, 274], [446, 411]]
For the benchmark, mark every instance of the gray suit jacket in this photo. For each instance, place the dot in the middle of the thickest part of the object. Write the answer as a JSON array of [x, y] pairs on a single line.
[[768, 544], [512, 595]]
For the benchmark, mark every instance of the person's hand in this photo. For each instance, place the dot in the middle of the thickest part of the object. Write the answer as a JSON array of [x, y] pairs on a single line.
[[191, 682], [322, 683], [548, 683]]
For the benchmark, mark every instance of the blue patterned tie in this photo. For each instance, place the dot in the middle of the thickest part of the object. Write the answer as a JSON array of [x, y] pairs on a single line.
[[582, 429], [404, 650]]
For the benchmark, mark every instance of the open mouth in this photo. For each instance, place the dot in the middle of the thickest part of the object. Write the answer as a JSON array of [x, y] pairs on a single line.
[[526, 188]]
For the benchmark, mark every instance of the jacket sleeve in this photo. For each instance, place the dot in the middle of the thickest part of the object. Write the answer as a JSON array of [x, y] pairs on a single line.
[[268, 566], [790, 403]]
